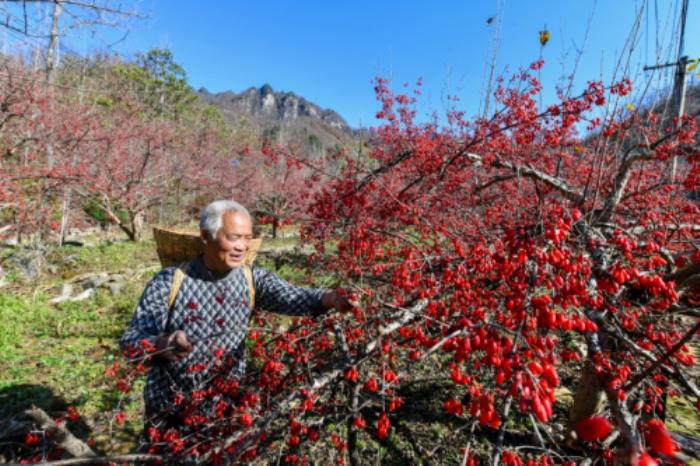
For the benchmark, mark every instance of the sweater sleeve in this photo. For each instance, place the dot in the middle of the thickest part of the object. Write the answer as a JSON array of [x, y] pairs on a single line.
[[272, 293], [150, 318]]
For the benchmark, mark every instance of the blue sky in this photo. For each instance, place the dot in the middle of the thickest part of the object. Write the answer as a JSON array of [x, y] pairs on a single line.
[[329, 51]]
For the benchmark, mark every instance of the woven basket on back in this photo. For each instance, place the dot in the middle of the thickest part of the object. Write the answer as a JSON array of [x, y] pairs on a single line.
[[177, 246]]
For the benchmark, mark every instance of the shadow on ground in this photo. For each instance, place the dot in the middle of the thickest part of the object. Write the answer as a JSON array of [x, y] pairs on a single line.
[[16, 424]]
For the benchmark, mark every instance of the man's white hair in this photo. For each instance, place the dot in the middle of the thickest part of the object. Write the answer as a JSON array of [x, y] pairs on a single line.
[[210, 220]]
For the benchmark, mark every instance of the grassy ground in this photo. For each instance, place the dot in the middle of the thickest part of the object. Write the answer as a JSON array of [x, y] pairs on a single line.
[[54, 356]]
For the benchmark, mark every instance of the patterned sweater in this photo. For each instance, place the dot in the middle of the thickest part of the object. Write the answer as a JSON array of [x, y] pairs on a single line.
[[206, 304]]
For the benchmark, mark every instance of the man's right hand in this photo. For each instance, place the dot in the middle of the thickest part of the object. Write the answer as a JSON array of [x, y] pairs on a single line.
[[177, 340]]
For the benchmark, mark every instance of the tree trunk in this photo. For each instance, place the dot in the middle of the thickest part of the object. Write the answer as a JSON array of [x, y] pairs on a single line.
[[136, 220], [65, 211], [18, 228], [354, 453], [135, 223], [589, 396], [52, 51], [588, 399]]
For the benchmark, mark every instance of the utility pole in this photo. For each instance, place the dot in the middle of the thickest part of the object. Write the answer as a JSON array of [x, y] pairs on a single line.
[[680, 81]]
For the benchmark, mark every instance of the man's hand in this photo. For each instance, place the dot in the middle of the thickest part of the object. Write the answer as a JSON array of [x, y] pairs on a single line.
[[181, 347], [338, 300]]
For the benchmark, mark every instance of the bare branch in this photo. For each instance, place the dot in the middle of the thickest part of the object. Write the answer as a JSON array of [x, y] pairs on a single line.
[[644, 374], [623, 175], [557, 183]]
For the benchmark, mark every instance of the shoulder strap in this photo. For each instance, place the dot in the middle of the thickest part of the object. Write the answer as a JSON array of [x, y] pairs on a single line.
[[248, 272], [180, 276], [175, 287]]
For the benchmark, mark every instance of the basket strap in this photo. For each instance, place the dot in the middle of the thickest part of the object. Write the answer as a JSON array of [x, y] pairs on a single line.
[[180, 276], [177, 282], [248, 272]]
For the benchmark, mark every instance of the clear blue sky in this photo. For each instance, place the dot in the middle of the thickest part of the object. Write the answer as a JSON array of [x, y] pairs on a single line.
[[329, 51]]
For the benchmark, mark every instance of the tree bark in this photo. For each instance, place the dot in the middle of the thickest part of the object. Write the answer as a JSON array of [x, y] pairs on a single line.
[[588, 399]]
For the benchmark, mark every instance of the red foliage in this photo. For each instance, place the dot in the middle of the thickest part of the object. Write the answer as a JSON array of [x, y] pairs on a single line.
[[593, 428], [645, 459], [383, 425], [658, 438]]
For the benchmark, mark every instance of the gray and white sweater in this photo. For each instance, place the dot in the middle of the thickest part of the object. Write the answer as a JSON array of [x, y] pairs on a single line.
[[206, 304]]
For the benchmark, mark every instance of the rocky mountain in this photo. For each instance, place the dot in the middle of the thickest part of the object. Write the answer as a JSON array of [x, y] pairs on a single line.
[[282, 117]]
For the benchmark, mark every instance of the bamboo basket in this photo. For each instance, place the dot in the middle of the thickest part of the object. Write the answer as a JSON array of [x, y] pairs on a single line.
[[177, 246]]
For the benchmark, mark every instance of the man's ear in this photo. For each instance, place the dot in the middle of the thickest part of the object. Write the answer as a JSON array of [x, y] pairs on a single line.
[[205, 236]]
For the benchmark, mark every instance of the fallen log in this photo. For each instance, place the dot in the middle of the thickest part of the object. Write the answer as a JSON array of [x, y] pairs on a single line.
[[60, 434]]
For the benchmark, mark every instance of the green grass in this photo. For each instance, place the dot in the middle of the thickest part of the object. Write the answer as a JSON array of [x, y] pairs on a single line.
[[55, 355], [64, 348], [682, 416], [22, 321], [123, 255]]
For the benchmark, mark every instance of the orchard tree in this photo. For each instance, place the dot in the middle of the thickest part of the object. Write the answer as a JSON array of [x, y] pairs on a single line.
[[131, 138], [126, 170], [281, 187], [149, 154], [32, 121], [18, 98]]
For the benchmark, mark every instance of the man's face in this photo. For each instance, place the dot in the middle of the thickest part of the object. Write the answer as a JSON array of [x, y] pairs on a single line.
[[228, 249]]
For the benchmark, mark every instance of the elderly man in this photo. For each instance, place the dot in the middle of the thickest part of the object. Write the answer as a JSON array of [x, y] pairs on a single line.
[[212, 300]]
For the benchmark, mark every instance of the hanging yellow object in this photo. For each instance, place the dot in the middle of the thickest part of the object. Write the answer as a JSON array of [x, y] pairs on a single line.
[[630, 107], [693, 66], [544, 37]]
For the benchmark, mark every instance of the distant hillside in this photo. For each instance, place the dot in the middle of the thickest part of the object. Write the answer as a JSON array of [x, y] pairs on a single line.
[[282, 117]]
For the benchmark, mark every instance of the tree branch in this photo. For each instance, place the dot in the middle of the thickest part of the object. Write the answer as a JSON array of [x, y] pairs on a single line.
[[644, 374]]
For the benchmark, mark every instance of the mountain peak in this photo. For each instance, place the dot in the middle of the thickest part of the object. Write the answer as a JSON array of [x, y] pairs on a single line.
[[282, 117], [266, 89], [265, 104]]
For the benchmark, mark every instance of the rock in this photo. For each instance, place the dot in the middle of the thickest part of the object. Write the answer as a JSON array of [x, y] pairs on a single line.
[[268, 104], [66, 289], [84, 295], [66, 292], [117, 277], [10, 241], [30, 263], [115, 287], [95, 281]]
